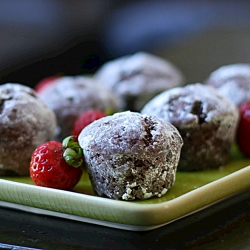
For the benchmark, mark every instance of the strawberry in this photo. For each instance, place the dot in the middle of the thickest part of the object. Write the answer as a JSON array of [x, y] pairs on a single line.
[[57, 165], [85, 119], [243, 132], [44, 83]]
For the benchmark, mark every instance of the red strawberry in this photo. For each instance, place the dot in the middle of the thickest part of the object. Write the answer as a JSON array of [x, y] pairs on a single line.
[[85, 119], [57, 165], [44, 83], [243, 133]]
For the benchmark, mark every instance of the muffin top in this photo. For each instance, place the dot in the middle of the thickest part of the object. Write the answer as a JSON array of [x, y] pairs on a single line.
[[22, 110], [192, 105], [128, 133], [141, 76], [232, 81], [70, 93]]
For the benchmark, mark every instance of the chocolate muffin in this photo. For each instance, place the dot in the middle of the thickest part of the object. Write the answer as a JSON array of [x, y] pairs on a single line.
[[69, 96], [25, 123], [138, 78], [232, 81], [206, 120], [131, 156]]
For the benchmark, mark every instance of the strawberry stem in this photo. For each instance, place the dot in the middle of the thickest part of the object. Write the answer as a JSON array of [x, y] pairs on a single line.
[[73, 153]]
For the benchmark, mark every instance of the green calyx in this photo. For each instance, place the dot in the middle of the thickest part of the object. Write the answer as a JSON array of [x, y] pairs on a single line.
[[72, 152], [109, 111]]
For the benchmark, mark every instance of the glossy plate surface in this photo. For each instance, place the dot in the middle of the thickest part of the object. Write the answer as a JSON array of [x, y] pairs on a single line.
[[192, 192]]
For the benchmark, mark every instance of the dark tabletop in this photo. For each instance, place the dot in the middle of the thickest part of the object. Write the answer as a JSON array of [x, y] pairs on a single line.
[[225, 225]]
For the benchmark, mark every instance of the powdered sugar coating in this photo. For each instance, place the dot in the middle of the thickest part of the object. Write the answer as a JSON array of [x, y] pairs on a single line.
[[25, 123], [206, 120], [232, 81], [139, 77], [69, 96], [131, 156]]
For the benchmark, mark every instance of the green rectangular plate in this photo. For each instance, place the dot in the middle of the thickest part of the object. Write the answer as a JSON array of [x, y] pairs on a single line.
[[192, 192]]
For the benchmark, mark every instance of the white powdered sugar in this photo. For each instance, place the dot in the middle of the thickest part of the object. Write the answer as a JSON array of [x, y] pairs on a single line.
[[215, 105], [70, 96], [25, 123], [206, 120], [139, 77], [131, 156], [232, 81], [228, 71]]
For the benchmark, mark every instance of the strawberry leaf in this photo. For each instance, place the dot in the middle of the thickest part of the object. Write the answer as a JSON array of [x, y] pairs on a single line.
[[73, 153]]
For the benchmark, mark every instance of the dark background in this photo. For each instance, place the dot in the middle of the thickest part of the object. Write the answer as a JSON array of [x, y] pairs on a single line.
[[39, 38]]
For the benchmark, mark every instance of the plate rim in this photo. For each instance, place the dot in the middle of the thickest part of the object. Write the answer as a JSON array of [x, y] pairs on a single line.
[[124, 213]]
